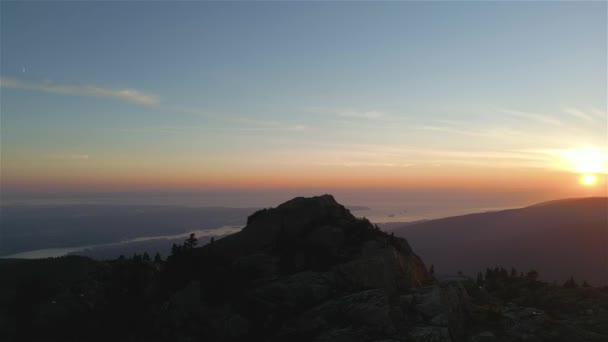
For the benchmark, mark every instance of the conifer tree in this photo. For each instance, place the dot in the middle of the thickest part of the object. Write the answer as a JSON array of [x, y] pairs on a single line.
[[479, 279], [191, 242], [157, 258]]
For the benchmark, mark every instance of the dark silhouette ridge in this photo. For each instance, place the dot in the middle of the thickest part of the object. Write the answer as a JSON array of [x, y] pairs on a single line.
[[561, 238]]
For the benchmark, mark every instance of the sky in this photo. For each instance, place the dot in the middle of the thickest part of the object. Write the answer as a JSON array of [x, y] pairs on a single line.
[[115, 96]]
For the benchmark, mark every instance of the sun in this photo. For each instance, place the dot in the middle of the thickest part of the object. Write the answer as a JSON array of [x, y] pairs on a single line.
[[590, 163], [588, 180]]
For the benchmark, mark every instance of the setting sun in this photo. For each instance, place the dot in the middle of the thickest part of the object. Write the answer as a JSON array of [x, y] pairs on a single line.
[[588, 180]]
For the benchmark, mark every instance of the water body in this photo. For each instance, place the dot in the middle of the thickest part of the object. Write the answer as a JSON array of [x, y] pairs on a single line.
[[58, 252]]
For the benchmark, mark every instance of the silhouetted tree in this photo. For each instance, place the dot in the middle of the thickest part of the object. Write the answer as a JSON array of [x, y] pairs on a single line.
[[585, 284], [432, 270], [146, 257], [175, 249], [479, 279], [191, 242], [532, 275], [157, 258], [504, 275], [570, 283]]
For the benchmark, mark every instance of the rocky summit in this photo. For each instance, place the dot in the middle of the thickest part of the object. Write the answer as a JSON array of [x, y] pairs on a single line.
[[318, 273]]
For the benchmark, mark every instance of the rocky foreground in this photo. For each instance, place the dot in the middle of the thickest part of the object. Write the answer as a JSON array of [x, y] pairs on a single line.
[[307, 270]]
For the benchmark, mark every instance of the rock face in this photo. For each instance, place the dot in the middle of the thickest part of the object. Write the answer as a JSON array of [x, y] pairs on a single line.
[[321, 274], [319, 234]]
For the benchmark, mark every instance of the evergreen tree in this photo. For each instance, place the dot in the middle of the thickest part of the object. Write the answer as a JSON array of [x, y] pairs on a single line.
[[489, 274], [503, 273], [146, 257], [157, 258], [479, 279], [532, 275], [175, 250], [191, 242], [570, 283]]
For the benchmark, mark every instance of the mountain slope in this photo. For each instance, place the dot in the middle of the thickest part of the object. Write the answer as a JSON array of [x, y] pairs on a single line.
[[304, 271], [559, 239]]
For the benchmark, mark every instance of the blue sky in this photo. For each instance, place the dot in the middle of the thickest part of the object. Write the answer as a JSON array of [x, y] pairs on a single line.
[[200, 94]]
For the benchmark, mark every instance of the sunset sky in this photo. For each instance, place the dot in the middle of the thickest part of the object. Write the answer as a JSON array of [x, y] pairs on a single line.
[[158, 95]]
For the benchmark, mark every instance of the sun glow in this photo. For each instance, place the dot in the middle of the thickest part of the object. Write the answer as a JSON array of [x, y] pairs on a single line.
[[588, 160], [588, 180], [591, 163]]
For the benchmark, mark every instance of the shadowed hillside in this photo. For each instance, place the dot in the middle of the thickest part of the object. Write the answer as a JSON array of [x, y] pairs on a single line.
[[559, 239]]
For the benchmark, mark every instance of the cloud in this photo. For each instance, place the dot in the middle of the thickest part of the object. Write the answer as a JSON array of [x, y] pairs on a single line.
[[370, 114], [599, 113], [542, 118], [446, 129], [68, 157], [269, 125], [130, 95], [247, 125], [579, 114]]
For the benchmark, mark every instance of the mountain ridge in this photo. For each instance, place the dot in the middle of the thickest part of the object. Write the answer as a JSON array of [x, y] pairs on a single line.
[[572, 233]]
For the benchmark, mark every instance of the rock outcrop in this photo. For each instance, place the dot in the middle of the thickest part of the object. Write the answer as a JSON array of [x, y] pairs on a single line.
[[319, 273]]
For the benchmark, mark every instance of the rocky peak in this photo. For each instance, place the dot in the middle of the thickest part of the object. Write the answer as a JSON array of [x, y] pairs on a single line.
[[318, 220], [319, 234], [302, 209], [313, 259]]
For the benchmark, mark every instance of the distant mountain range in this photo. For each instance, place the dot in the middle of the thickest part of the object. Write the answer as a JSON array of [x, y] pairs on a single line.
[[559, 239]]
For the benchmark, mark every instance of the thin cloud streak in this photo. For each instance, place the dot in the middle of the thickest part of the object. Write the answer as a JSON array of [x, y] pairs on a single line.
[[67, 157], [541, 118], [130, 95], [349, 113], [579, 114]]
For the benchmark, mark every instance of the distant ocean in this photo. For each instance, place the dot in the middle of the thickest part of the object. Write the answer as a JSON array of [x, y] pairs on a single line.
[[384, 205]]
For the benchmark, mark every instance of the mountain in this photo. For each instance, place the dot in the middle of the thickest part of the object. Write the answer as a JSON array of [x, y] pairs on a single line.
[[559, 239], [307, 270]]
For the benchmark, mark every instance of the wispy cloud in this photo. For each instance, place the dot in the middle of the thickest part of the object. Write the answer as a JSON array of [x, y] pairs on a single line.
[[68, 156], [541, 118], [601, 114], [254, 124], [247, 125], [130, 95], [579, 114], [349, 113], [371, 114]]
